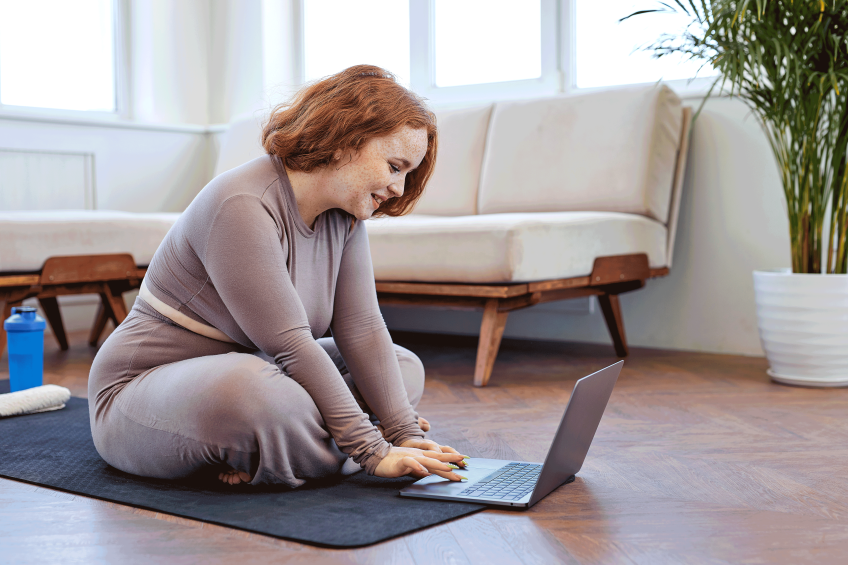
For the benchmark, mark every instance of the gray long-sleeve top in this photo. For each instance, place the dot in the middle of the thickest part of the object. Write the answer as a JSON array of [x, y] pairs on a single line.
[[241, 259]]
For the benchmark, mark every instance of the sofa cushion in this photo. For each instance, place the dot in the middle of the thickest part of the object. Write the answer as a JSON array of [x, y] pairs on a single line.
[[452, 190], [27, 239], [517, 247], [611, 151]]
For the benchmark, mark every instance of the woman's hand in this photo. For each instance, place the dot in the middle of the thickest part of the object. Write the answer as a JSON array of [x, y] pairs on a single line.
[[430, 445], [419, 463]]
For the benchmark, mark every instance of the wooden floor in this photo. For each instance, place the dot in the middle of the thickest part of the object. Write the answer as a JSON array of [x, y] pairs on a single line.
[[699, 459]]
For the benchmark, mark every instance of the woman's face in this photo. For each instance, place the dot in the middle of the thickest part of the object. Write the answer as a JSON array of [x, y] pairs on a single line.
[[361, 181]]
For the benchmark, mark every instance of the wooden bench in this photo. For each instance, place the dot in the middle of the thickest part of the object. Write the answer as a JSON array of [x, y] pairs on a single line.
[[107, 275]]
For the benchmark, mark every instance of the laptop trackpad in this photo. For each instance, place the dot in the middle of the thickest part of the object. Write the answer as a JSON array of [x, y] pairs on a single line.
[[477, 469]]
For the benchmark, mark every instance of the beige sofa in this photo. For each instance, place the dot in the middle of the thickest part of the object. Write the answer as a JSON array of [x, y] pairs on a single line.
[[532, 201]]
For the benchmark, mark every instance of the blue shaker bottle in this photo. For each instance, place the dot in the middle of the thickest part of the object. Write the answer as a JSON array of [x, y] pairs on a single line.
[[25, 333]]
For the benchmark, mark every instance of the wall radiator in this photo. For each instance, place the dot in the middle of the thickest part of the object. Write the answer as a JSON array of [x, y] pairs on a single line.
[[46, 180]]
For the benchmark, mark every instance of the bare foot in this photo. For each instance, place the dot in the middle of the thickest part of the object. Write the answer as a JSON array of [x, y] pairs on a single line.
[[234, 477]]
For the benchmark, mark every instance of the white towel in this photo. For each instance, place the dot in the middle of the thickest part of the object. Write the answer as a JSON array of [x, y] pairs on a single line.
[[32, 400]]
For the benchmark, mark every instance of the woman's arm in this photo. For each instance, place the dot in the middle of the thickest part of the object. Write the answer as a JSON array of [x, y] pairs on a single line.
[[365, 344], [247, 267]]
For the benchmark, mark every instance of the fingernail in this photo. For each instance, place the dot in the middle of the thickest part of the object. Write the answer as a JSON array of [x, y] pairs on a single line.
[[461, 478], [452, 466]]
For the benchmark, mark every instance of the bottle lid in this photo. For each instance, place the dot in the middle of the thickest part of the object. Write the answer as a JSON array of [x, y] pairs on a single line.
[[24, 319]]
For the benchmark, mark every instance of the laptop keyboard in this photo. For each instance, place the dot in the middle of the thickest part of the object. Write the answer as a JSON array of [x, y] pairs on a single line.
[[511, 482]]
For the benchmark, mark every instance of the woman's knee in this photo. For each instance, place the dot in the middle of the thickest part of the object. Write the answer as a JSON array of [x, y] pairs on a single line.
[[265, 393], [412, 371]]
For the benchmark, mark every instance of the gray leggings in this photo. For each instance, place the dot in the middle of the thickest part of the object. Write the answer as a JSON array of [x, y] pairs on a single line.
[[166, 402]]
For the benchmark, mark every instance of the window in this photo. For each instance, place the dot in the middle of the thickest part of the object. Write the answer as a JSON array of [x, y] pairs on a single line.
[[58, 54], [341, 33], [607, 52], [472, 50], [485, 41]]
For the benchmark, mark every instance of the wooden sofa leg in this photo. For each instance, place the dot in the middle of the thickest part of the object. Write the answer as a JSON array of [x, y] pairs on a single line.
[[491, 332], [615, 323], [50, 306]]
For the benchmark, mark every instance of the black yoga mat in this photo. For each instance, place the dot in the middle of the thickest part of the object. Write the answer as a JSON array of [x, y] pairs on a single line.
[[55, 449]]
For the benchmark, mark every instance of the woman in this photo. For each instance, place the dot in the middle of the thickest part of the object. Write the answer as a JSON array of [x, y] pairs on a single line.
[[219, 364]]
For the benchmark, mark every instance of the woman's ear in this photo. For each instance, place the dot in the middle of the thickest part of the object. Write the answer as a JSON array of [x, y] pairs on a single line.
[[337, 154]]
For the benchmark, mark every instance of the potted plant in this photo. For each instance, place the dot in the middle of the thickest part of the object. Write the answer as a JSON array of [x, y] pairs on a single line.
[[788, 61]]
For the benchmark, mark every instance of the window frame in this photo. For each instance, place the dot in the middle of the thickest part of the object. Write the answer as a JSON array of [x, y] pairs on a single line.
[[423, 71], [120, 36]]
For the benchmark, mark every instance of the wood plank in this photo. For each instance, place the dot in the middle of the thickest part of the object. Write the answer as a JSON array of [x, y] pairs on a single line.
[[436, 545], [85, 268], [452, 302], [438, 289], [558, 284], [19, 280], [620, 268]]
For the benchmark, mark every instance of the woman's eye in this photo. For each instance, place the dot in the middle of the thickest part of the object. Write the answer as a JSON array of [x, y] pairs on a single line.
[[394, 169]]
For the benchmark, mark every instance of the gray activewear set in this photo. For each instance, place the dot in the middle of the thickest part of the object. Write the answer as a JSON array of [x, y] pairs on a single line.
[[277, 400]]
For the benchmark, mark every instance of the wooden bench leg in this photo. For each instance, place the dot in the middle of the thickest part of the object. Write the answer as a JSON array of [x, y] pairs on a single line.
[[99, 324], [111, 307], [5, 311], [491, 332], [50, 307], [615, 323]]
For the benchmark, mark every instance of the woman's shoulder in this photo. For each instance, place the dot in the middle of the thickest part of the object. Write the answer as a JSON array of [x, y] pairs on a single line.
[[251, 178]]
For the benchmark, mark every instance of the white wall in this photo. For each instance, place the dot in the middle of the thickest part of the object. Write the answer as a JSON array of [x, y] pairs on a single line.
[[235, 59], [169, 61], [732, 222]]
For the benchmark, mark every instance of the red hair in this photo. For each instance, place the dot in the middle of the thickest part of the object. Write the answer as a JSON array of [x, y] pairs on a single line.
[[342, 112]]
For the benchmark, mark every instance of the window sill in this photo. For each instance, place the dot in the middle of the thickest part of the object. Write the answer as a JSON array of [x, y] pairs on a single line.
[[99, 120]]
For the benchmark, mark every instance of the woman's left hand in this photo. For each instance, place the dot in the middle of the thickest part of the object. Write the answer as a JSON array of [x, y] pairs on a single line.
[[430, 445]]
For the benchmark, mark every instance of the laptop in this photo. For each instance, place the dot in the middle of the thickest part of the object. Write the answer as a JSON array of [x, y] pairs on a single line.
[[521, 484]]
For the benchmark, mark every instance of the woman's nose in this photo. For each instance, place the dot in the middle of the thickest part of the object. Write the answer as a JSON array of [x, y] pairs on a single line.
[[396, 189]]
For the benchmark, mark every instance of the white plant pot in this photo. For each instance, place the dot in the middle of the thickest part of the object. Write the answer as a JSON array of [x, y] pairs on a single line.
[[803, 322]]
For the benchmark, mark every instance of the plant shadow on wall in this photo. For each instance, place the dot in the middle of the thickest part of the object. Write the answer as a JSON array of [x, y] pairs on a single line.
[[788, 61]]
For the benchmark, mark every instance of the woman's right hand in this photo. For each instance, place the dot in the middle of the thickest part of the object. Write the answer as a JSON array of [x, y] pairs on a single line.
[[419, 463]]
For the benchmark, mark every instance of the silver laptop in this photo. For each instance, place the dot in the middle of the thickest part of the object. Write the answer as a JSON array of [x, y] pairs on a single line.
[[516, 483]]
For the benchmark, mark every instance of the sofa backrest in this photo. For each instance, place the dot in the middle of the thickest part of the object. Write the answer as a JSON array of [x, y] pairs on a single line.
[[240, 144], [452, 190], [610, 151]]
